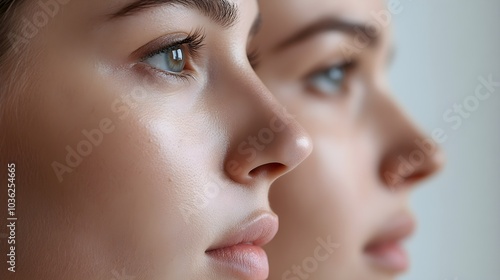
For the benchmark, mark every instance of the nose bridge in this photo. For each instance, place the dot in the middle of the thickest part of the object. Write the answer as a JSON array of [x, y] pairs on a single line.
[[266, 140], [396, 123]]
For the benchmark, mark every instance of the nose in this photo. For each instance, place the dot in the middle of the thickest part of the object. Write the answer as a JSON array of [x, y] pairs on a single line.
[[266, 141], [408, 155]]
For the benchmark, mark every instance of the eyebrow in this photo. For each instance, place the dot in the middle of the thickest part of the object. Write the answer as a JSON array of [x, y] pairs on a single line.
[[328, 25], [222, 12]]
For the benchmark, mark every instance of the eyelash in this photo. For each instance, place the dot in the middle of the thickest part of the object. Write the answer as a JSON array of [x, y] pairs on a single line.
[[194, 42], [254, 58], [346, 66]]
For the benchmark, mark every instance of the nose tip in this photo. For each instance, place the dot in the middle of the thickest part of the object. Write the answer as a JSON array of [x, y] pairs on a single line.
[[303, 147], [411, 166], [435, 162], [273, 151], [290, 157]]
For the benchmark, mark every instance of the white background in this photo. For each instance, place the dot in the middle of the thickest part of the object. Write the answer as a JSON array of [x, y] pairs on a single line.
[[443, 46]]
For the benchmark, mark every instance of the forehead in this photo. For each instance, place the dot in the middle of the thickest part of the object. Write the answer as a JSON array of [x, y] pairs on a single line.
[[89, 17], [100, 9], [311, 9]]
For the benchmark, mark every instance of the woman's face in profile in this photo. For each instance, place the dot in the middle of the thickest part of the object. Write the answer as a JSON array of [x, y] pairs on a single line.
[[343, 212], [145, 142]]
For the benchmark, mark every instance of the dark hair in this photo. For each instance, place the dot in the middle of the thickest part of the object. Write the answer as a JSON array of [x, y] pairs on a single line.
[[8, 22], [7, 8]]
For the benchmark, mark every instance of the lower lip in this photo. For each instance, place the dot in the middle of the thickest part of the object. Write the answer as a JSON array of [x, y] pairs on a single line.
[[390, 256], [247, 261]]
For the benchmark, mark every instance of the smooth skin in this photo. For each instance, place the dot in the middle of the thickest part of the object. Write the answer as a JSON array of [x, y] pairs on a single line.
[[353, 190], [168, 179]]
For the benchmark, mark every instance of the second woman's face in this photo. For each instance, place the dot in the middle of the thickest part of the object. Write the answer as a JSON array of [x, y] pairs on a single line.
[[343, 212], [145, 142]]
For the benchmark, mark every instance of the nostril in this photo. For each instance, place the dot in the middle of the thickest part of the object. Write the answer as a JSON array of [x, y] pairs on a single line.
[[273, 169], [409, 168]]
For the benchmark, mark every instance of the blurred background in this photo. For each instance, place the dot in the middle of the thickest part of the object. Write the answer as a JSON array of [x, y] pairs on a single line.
[[443, 47]]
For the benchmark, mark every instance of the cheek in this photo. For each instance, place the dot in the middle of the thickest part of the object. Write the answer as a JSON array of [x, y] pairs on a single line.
[[152, 167], [143, 185], [118, 176]]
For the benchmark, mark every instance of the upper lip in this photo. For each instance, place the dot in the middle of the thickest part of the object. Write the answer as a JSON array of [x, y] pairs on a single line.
[[394, 230], [258, 230]]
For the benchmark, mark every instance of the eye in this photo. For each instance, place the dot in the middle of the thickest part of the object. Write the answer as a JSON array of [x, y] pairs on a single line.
[[331, 80], [175, 58], [171, 60]]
